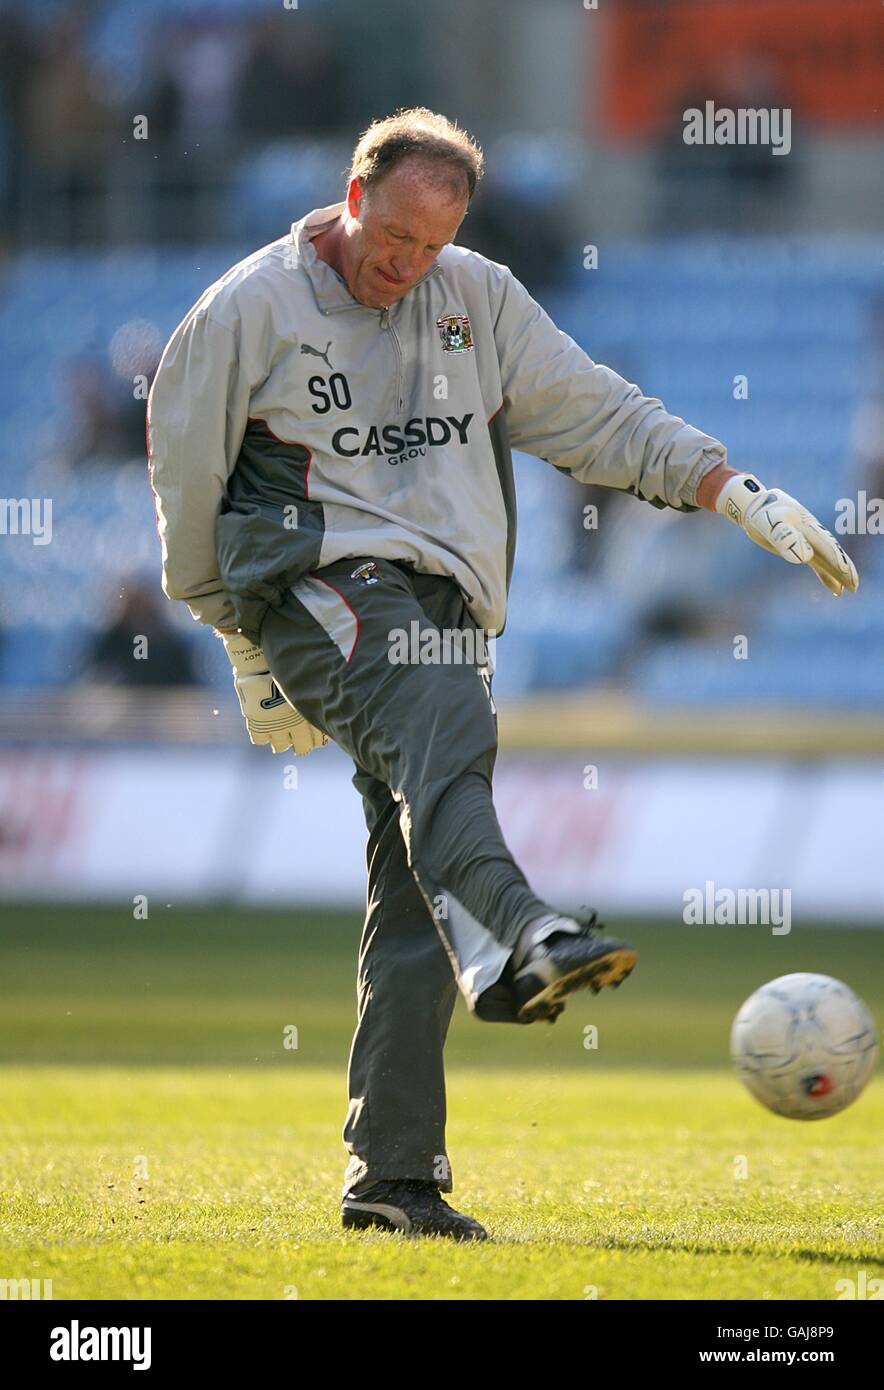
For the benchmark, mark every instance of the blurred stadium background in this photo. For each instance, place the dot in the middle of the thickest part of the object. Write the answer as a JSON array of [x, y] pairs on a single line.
[[121, 777]]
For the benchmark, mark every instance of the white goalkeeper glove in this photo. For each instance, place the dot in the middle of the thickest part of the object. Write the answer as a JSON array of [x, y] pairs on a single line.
[[774, 520], [269, 716]]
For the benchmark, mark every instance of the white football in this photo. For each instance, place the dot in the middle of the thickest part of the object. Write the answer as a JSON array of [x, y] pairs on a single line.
[[804, 1045]]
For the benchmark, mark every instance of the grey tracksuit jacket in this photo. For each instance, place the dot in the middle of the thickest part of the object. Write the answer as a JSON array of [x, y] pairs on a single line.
[[289, 427]]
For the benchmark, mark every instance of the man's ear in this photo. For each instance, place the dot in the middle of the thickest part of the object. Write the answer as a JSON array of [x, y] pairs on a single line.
[[354, 196]]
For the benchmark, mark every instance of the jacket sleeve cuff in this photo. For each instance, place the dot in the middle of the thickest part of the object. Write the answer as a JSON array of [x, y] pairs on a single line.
[[215, 610], [709, 459]]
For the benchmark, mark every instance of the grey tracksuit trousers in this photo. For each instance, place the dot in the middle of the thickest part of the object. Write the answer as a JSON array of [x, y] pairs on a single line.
[[446, 901]]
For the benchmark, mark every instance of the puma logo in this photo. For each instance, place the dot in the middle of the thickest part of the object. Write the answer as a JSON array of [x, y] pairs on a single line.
[[314, 352]]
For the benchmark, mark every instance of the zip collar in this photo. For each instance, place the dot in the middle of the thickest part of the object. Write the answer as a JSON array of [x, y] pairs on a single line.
[[331, 293]]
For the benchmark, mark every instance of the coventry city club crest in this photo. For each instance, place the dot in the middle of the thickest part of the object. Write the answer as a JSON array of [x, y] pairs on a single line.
[[367, 573], [455, 332]]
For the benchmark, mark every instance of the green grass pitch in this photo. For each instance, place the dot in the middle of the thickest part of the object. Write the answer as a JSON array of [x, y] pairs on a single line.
[[158, 1140]]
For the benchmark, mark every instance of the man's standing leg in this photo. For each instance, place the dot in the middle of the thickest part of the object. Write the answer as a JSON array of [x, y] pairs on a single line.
[[405, 998]]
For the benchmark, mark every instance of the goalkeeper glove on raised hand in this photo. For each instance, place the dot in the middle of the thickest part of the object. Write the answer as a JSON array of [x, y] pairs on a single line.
[[269, 716], [776, 521]]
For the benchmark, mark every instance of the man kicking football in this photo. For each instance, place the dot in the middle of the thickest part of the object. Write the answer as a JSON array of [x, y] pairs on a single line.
[[329, 438]]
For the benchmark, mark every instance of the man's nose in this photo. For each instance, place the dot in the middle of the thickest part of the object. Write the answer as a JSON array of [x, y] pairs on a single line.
[[410, 265], [403, 266]]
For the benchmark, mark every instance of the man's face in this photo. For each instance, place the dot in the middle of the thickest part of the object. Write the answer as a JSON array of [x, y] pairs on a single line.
[[394, 232]]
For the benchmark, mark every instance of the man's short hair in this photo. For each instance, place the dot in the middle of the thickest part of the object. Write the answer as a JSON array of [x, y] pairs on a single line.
[[418, 131]]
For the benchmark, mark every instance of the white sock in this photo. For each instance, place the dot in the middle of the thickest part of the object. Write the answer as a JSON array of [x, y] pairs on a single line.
[[539, 930]]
